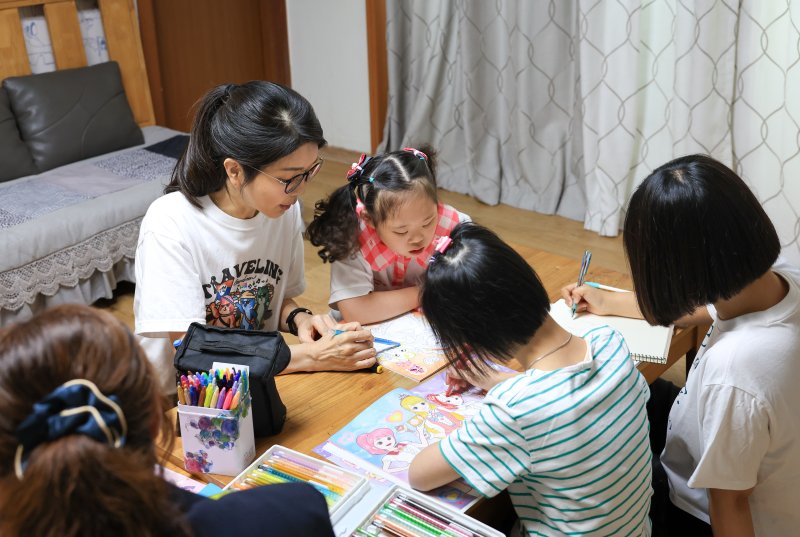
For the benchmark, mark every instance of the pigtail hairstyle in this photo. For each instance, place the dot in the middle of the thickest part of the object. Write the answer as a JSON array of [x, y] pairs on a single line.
[[694, 234], [376, 182], [481, 298], [75, 485], [255, 124]]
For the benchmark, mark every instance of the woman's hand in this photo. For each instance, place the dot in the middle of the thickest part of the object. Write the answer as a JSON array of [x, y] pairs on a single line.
[[349, 350], [312, 327]]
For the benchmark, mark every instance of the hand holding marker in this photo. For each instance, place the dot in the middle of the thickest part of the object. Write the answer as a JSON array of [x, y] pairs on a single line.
[[387, 344]]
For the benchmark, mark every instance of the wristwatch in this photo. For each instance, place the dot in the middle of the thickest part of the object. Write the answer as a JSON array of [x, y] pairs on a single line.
[[290, 319]]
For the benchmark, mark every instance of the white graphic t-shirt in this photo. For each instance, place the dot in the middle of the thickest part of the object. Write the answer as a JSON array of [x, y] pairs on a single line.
[[203, 265]]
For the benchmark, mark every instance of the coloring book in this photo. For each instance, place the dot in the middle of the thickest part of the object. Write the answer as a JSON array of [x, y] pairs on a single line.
[[381, 441], [419, 355]]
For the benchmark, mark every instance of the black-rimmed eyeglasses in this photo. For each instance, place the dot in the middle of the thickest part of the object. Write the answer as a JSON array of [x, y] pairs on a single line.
[[293, 183]]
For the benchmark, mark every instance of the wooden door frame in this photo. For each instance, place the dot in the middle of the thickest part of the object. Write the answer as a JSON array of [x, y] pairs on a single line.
[[378, 69]]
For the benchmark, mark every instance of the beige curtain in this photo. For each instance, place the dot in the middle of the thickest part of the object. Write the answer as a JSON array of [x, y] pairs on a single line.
[[563, 107]]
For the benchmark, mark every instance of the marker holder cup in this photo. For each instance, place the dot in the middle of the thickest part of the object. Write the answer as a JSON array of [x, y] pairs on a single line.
[[217, 441]]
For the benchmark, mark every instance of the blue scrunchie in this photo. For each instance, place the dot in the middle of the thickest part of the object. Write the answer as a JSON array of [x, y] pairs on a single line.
[[75, 407]]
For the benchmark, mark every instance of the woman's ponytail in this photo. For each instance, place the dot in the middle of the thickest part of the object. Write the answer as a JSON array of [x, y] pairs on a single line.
[[76, 486], [335, 225], [85, 472], [198, 171]]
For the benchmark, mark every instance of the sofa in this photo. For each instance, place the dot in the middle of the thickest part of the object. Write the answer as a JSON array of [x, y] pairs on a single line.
[[77, 176]]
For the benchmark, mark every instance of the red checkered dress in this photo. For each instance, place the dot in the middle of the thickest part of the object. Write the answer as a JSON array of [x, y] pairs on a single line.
[[379, 256]]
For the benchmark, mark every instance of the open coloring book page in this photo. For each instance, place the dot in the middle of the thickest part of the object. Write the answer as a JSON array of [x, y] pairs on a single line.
[[419, 355], [381, 441]]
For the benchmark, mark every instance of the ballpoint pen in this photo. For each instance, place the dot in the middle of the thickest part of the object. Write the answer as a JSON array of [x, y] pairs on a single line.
[[587, 257]]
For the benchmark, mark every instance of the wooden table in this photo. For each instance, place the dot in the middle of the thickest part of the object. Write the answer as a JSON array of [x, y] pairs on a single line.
[[319, 404]]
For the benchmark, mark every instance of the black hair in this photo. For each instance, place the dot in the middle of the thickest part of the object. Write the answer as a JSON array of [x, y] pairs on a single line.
[[255, 124], [694, 234], [481, 298], [335, 224]]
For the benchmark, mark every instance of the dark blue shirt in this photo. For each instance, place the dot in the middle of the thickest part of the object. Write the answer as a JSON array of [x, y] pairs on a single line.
[[289, 510]]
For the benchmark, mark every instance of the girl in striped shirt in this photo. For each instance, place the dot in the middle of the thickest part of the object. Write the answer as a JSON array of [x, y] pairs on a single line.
[[568, 437]]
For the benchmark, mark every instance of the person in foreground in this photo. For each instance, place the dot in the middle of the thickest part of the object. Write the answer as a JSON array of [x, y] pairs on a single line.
[[81, 410], [224, 245], [568, 437], [378, 232], [702, 250]]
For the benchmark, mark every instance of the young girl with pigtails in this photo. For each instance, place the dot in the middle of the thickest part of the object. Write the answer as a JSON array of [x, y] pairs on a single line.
[[378, 232]]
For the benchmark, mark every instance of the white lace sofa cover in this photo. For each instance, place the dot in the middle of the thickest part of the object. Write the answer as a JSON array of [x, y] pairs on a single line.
[[69, 234]]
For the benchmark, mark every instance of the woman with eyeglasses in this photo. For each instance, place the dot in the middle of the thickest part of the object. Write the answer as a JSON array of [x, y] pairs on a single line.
[[224, 245]]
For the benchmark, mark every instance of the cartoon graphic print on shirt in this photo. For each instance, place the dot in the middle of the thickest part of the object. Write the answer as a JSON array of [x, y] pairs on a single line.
[[241, 298]]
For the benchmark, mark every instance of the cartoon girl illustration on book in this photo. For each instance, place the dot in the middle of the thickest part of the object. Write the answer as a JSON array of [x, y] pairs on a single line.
[[437, 422], [456, 403], [396, 455]]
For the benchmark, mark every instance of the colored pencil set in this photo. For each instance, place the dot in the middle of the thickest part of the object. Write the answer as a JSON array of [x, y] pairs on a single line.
[[222, 389], [406, 516], [281, 465]]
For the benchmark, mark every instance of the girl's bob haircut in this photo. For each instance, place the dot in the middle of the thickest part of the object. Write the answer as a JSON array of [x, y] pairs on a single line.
[[482, 299], [694, 234]]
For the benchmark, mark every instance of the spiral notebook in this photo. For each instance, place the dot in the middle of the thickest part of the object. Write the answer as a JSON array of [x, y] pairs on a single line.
[[646, 343]]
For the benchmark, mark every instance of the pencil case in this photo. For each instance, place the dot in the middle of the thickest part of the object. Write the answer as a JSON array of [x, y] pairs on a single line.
[[341, 488], [264, 353]]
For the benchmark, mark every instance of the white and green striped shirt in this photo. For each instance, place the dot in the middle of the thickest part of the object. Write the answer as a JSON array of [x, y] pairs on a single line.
[[571, 445]]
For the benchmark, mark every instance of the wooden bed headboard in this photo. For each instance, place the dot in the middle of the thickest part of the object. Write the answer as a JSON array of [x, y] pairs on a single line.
[[121, 27]]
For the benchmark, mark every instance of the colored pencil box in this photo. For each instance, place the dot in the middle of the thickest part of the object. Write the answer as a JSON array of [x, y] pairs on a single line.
[[402, 511], [341, 488], [264, 353]]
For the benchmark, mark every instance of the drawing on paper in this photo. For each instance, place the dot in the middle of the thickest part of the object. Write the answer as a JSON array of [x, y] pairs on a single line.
[[419, 356]]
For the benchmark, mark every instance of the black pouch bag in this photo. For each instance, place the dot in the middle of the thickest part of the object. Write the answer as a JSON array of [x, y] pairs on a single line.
[[265, 353]]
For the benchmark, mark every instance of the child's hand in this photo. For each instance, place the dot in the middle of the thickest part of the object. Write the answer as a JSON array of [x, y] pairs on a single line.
[[601, 302], [312, 327], [588, 299]]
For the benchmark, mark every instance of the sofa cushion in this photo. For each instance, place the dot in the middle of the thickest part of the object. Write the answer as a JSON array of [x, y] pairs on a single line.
[[14, 155], [72, 114]]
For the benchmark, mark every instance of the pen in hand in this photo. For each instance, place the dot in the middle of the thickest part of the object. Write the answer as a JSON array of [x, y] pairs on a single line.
[[606, 287], [374, 368], [587, 257]]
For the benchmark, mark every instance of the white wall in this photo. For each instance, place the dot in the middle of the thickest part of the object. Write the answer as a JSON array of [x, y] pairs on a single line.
[[328, 57]]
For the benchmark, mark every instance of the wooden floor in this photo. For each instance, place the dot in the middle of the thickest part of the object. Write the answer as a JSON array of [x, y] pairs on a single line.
[[526, 228]]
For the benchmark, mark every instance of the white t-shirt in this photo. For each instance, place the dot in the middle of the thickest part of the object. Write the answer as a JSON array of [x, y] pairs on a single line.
[[353, 277], [736, 424], [571, 445], [203, 265]]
